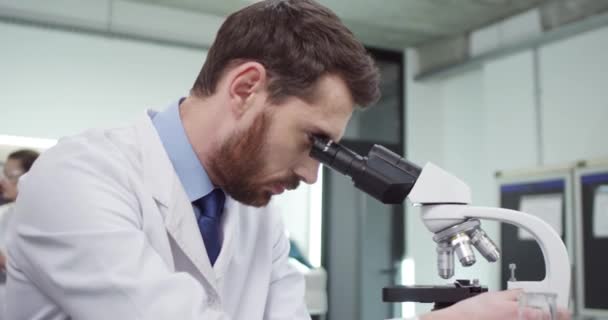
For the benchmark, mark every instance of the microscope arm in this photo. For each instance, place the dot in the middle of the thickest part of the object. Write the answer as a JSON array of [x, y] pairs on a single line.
[[557, 263]]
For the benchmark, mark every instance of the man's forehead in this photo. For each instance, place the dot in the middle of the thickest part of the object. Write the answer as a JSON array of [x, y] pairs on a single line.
[[330, 106], [334, 125]]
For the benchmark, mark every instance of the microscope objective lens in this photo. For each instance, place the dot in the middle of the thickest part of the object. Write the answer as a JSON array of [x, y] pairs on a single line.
[[462, 245], [485, 245], [445, 260]]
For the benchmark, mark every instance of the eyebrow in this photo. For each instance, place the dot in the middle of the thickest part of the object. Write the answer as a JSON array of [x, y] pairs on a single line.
[[321, 131]]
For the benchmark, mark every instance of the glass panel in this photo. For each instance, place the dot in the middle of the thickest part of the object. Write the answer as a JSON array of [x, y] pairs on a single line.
[[381, 122]]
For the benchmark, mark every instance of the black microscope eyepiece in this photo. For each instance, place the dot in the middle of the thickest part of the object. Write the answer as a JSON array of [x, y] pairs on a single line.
[[335, 156], [383, 174]]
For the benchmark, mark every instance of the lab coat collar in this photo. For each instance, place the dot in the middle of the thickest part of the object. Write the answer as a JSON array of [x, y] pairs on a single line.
[[162, 182], [157, 167]]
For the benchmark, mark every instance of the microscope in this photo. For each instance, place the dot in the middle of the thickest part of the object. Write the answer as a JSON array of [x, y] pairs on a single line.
[[446, 212]]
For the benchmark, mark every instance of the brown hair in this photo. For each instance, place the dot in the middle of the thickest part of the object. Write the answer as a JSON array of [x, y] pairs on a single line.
[[25, 157], [297, 41]]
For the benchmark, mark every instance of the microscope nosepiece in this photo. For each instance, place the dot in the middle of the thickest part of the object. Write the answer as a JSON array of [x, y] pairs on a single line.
[[462, 245]]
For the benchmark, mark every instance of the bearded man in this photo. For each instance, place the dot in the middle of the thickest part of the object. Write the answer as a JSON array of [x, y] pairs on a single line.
[[167, 218]]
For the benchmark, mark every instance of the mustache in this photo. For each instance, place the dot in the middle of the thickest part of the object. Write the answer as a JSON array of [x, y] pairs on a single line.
[[291, 183]]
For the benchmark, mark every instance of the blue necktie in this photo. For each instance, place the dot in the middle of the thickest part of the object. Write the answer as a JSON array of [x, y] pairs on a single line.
[[209, 221]]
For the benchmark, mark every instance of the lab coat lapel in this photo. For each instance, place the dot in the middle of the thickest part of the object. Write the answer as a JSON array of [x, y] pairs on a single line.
[[162, 182], [181, 224], [230, 227]]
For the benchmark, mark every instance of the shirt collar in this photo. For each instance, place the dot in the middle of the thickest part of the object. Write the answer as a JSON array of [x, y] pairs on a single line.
[[188, 167]]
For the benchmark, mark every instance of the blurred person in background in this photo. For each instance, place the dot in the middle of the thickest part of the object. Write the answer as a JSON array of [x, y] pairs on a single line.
[[17, 164]]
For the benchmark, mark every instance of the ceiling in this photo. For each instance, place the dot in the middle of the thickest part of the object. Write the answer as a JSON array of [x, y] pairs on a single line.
[[391, 23]]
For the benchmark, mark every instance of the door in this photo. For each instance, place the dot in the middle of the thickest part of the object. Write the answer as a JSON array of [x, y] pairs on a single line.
[[363, 239]]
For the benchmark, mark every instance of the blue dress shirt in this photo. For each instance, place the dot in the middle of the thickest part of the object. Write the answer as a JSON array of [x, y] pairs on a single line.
[[188, 167]]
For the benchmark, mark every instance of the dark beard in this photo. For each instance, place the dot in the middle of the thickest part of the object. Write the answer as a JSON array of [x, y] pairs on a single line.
[[240, 160]]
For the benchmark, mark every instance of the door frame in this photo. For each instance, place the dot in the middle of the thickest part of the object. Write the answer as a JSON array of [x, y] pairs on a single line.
[[361, 146]]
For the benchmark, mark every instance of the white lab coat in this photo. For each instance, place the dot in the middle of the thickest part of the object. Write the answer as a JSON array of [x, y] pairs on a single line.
[[104, 230], [6, 216]]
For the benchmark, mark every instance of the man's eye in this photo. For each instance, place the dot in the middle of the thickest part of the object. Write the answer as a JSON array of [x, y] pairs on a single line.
[[321, 136], [311, 137]]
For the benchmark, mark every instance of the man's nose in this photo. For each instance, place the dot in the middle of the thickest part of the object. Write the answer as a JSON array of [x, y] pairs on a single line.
[[308, 170]]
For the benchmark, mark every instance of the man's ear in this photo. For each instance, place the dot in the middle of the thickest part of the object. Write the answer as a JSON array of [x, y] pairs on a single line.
[[246, 81]]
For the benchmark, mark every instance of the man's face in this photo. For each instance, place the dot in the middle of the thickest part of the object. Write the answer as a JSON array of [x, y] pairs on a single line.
[[8, 179], [272, 154]]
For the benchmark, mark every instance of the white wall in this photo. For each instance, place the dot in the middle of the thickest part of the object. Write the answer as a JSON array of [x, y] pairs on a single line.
[[55, 83], [574, 75], [302, 214], [295, 207], [511, 113], [491, 118]]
